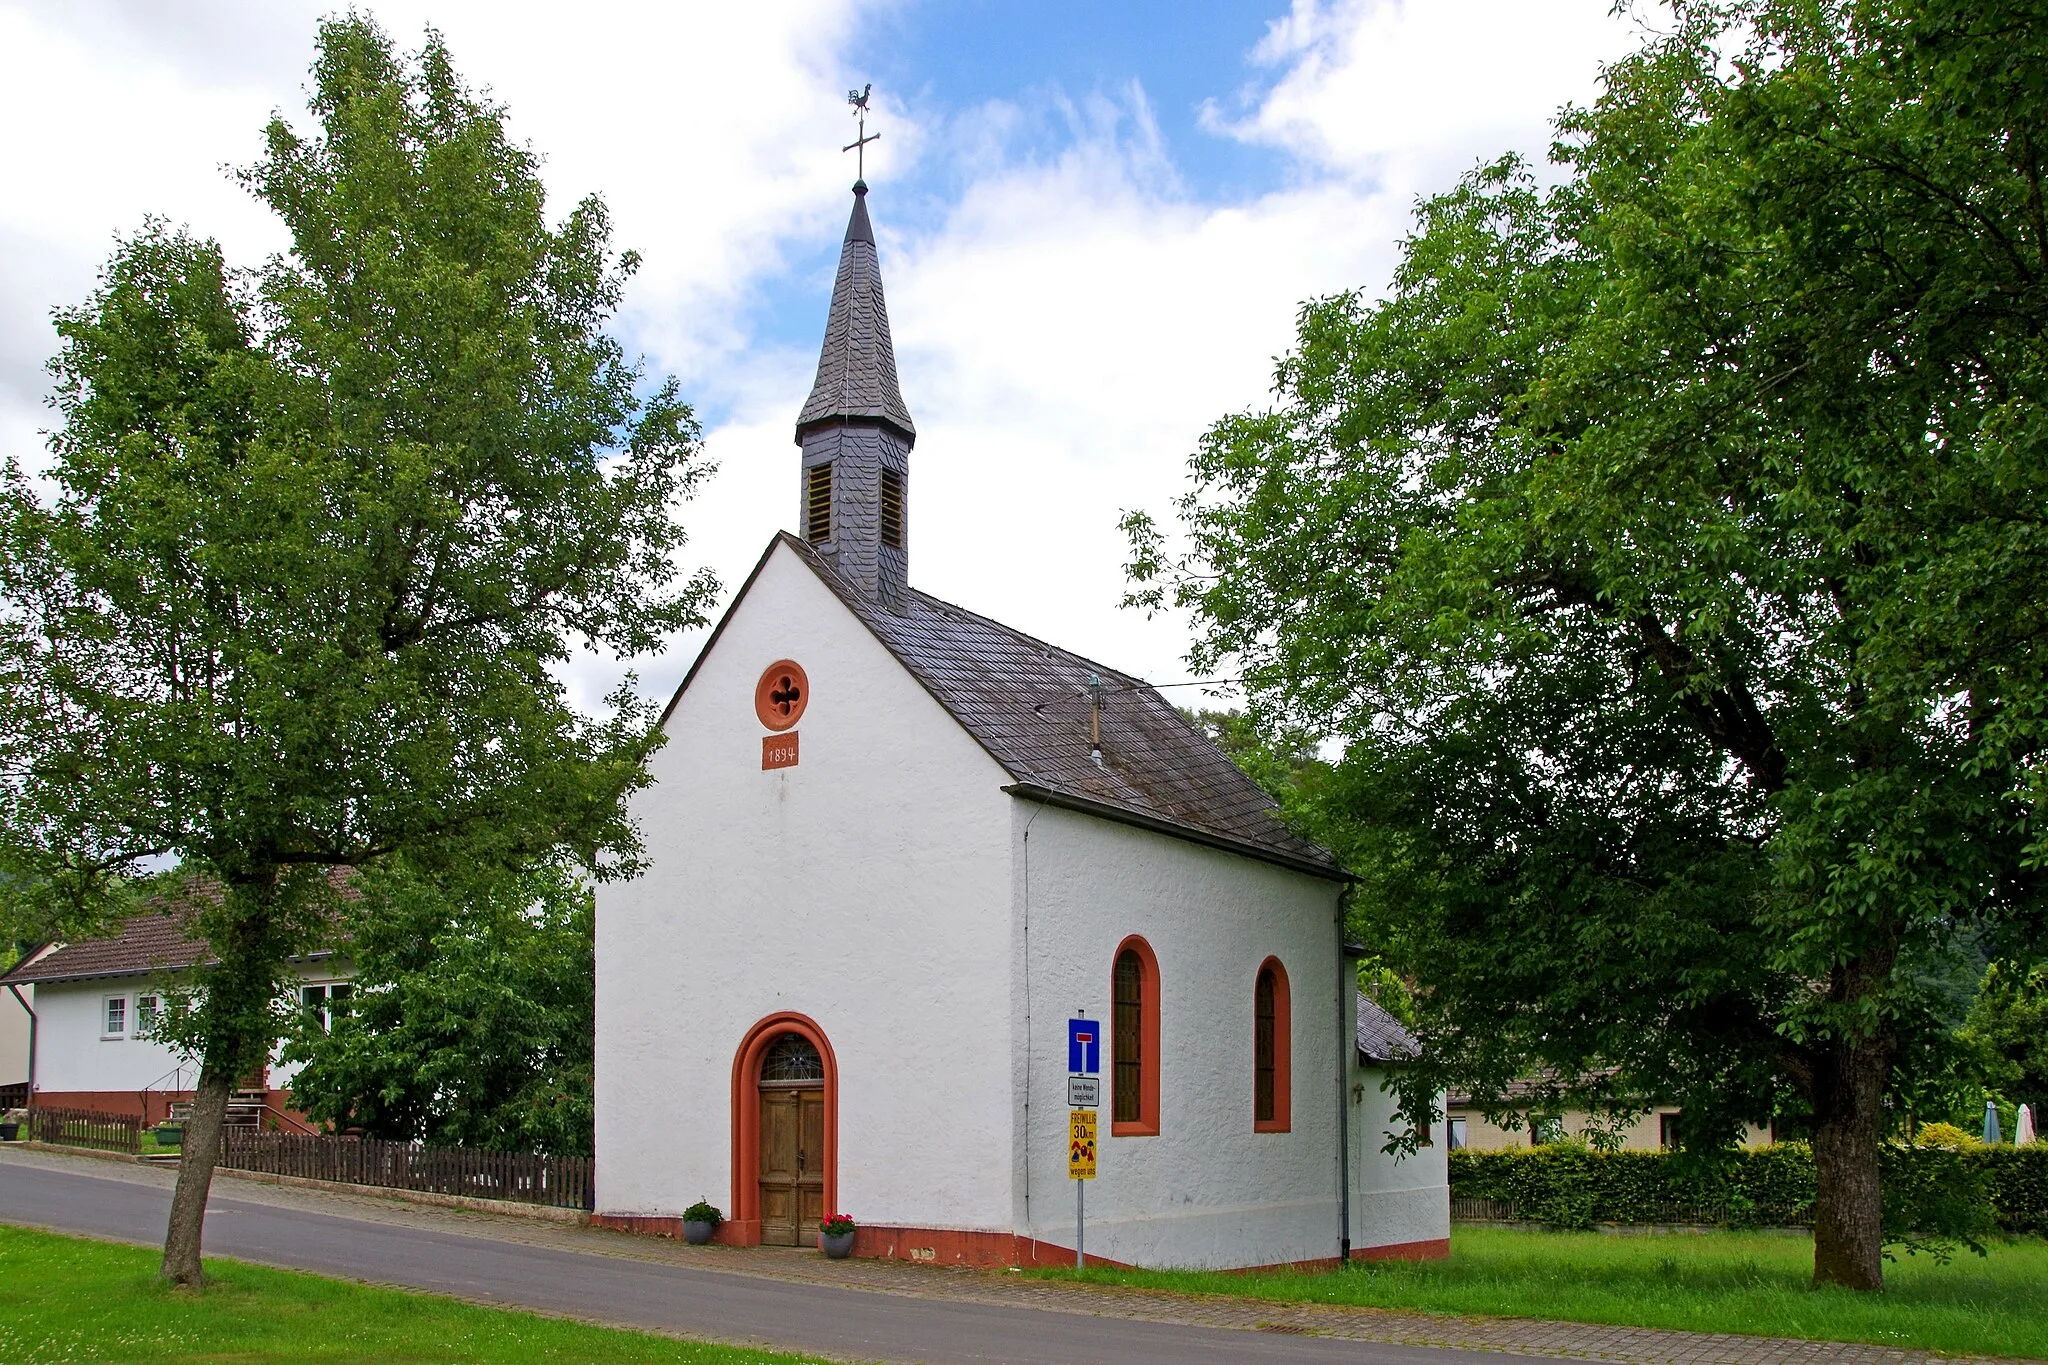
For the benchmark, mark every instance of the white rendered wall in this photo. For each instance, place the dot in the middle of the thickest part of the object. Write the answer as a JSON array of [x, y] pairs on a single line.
[[1394, 1199], [71, 1054], [14, 1036], [867, 888], [1207, 1191]]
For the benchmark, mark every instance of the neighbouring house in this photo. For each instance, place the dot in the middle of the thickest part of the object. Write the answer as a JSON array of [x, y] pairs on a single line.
[[15, 1016], [1656, 1129], [892, 848], [97, 1002]]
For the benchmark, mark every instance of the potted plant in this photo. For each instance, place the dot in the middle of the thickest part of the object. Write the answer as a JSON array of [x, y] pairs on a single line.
[[10, 1124], [700, 1220], [170, 1133], [835, 1236]]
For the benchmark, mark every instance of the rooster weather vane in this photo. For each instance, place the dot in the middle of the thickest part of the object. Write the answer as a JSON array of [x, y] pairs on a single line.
[[859, 146]]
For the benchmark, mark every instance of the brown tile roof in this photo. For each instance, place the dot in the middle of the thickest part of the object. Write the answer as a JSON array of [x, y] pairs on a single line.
[[152, 939], [1027, 703], [155, 938]]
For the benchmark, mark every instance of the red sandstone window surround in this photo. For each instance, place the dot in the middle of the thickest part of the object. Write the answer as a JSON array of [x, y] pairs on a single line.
[[1272, 1049], [1134, 1041]]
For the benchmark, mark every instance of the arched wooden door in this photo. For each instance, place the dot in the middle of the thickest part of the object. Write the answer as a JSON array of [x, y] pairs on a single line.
[[792, 1152]]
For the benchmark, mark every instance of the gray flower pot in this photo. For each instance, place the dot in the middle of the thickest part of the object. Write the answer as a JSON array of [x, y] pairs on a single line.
[[838, 1246], [697, 1231]]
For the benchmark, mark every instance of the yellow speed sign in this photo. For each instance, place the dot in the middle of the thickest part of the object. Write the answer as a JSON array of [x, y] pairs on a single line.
[[1080, 1144]]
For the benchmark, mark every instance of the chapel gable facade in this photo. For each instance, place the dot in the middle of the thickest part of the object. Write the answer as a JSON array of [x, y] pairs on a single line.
[[892, 846]]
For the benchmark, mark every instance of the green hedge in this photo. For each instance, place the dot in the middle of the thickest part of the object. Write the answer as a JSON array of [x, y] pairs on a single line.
[[1927, 1189]]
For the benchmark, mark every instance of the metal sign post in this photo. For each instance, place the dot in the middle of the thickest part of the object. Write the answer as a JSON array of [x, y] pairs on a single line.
[[1084, 1092]]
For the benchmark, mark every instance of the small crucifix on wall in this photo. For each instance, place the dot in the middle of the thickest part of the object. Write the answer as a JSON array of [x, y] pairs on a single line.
[[859, 146]]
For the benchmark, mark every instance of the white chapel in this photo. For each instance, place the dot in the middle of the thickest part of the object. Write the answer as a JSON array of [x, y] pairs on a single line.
[[892, 847]]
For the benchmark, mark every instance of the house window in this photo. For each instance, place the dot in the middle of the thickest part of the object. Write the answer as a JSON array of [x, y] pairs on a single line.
[[892, 509], [149, 1012], [1545, 1129], [1134, 1041], [1272, 1049], [1667, 1132], [325, 1004], [818, 504], [1455, 1131], [114, 1018]]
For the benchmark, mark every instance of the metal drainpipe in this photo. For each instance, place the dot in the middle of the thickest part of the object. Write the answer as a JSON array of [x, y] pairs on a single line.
[[1345, 1043], [32, 1021]]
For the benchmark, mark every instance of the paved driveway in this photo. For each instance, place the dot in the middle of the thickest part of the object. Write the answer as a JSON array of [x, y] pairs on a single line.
[[111, 1202]]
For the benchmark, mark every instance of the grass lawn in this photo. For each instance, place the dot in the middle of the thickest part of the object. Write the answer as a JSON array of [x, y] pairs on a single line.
[[1752, 1283], [67, 1298]]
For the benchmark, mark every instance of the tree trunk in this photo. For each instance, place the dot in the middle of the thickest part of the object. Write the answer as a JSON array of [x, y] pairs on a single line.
[[199, 1153], [1848, 1206]]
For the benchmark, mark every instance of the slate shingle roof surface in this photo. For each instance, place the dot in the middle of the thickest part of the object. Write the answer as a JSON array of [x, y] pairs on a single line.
[[1381, 1037], [857, 366], [1027, 703], [153, 939]]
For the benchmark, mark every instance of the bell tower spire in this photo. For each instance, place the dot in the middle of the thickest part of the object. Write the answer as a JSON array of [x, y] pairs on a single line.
[[855, 431]]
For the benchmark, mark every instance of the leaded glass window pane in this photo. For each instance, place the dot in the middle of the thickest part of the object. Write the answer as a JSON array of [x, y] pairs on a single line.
[[1263, 1041], [1127, 1038], [792, 1058]]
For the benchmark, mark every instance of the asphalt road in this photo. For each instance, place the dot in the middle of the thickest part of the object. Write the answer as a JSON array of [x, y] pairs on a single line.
[[665, 1298]]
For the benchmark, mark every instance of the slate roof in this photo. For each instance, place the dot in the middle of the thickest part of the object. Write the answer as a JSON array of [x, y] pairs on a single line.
[[857, 367], [1381, 1037], [1027, 703]]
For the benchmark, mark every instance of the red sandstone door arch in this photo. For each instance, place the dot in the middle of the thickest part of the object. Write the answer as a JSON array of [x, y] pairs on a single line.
[[750, 1096]]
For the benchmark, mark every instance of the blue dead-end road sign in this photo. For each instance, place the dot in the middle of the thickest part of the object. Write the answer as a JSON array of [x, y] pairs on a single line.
[[1084, 1046]]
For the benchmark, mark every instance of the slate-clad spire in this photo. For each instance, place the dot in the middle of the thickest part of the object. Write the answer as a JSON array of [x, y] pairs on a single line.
[[857, 367], [856, 432]]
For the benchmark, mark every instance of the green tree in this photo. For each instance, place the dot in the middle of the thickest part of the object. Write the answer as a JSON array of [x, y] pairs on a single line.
[[2007, 1031], [316, 540], [1667, 546], [471, 1020]]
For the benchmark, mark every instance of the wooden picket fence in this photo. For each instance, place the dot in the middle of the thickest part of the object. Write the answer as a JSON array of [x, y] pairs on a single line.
[[86, 1128], [562, 1182]]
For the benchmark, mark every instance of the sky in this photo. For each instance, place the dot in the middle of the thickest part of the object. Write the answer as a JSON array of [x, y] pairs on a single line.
[[1096, 221]]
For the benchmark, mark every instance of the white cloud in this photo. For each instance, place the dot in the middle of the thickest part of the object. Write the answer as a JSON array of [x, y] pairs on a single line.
[[1409, 93], [1065, 332]]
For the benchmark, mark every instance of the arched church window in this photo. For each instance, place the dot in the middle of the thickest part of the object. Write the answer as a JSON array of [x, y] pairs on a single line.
[[792, 1057], [1134, 1041], [1271, 1049]]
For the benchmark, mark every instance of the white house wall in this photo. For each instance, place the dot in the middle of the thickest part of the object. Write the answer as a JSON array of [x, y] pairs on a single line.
[[1207, 1191], [1395, 1200], [866, 888], [73, 1057], [14, 1036]]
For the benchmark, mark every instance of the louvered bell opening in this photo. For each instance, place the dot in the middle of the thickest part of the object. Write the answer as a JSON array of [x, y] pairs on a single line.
[[892, 509], [818, 505]]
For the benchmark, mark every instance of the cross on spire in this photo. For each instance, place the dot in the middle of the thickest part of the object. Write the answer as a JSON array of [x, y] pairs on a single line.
[[859, 146]]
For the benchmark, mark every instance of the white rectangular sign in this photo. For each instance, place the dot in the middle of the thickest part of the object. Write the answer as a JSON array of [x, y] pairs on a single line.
[[1084, 1092]]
